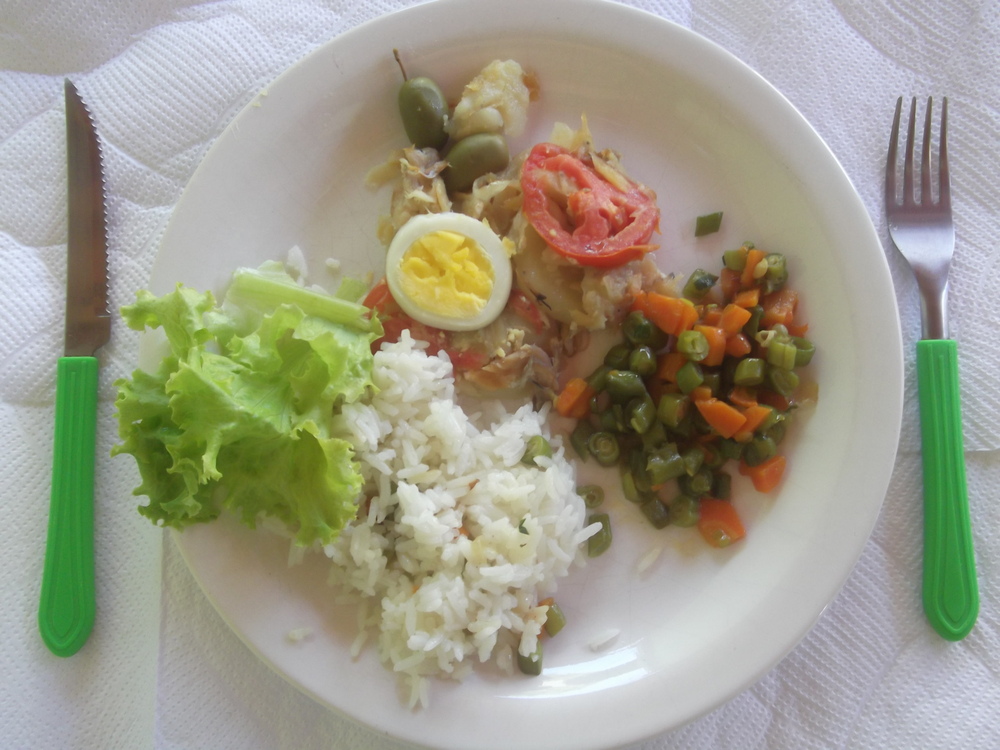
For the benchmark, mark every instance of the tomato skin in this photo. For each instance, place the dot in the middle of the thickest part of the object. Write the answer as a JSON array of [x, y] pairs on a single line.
[[600, 225]]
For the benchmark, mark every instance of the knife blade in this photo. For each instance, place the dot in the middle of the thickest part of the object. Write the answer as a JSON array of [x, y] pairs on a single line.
[[67, 604]]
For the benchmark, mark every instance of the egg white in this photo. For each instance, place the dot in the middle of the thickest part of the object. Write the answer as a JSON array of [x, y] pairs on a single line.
[[479, 232]]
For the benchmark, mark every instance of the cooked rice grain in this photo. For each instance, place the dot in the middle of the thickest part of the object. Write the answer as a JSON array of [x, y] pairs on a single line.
[[439, 554]]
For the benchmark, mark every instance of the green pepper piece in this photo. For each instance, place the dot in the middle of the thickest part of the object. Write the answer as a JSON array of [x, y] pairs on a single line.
[[707, 224], [699, 284]]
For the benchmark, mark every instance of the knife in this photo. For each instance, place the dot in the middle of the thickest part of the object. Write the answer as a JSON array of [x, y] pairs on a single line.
[[66, 608]]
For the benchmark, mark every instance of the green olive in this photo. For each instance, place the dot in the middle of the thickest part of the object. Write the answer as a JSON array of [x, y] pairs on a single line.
[[473, 157], [424, 112]]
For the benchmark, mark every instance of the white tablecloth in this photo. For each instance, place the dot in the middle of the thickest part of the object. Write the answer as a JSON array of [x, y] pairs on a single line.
[[164, 78]]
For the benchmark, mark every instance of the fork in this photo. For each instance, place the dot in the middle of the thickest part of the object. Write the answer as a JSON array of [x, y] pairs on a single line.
[[922, 230]]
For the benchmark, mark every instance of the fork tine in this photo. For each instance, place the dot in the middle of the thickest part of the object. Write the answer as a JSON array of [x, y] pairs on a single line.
[[890, 160], [908, 155], [944, 178], [925, 158]]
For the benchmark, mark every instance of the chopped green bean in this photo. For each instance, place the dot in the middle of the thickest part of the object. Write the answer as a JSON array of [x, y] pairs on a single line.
[[612, 419], [693, 345], [624, 385], [604, 447], [752, 326], [777, 272], [637, 461], [693, 460], [735, 260], [632, 493], [555, 620], [598, 379], [638, 329], [536, 447], [592, 494], [655, 436], [782, 381], [776, 431], [707, 224], [642, 361], [672, 408], [781, 353], [698, 485], [689, 377], [758, 450], [579, 437], [730, 449], [599, 543], [712, 379], [657, 513], [684, 511], [617, 356], [804, 351], [641, 413], [664, 465], [531, 664], [749, 371], [722, 485]]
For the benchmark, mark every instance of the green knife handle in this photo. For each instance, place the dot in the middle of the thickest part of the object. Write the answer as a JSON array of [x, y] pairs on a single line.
[[950, 590], [66, 609]]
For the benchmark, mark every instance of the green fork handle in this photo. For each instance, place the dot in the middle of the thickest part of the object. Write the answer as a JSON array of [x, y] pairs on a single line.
[[66, 608], [950, 590]]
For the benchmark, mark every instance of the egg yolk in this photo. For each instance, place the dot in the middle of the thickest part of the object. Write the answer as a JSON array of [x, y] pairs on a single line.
[[448, 274]]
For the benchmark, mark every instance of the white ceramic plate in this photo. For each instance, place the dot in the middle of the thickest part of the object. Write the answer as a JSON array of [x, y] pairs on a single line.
[[707, 134]]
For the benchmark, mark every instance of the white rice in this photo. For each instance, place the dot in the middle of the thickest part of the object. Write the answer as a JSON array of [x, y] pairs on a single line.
[[459, 540]]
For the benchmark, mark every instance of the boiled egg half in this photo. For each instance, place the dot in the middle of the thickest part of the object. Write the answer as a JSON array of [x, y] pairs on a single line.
[[449, 271]]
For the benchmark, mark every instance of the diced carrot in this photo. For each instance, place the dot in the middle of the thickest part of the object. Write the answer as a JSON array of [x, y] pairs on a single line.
[[755, 416], [747, 297], [711, 315], [729, 283], [671, 314], [738, 345], [719, 523], [723, 418], [701, 393], [798, 329], [767, 476], [742, 396], [779, 307], [668, 366], [733, 318], [754, 257], [639, 302], [574, 399], [772, 398], [716, 344]]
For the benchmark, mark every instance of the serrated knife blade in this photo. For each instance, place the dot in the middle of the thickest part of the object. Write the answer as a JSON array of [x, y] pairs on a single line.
[[68, 603]]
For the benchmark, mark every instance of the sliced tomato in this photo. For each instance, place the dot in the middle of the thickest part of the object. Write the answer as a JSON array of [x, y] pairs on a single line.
[[580, 214], [395, 321]]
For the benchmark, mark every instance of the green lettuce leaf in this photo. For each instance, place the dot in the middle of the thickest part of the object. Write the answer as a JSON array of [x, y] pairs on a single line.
[[238, 413]]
